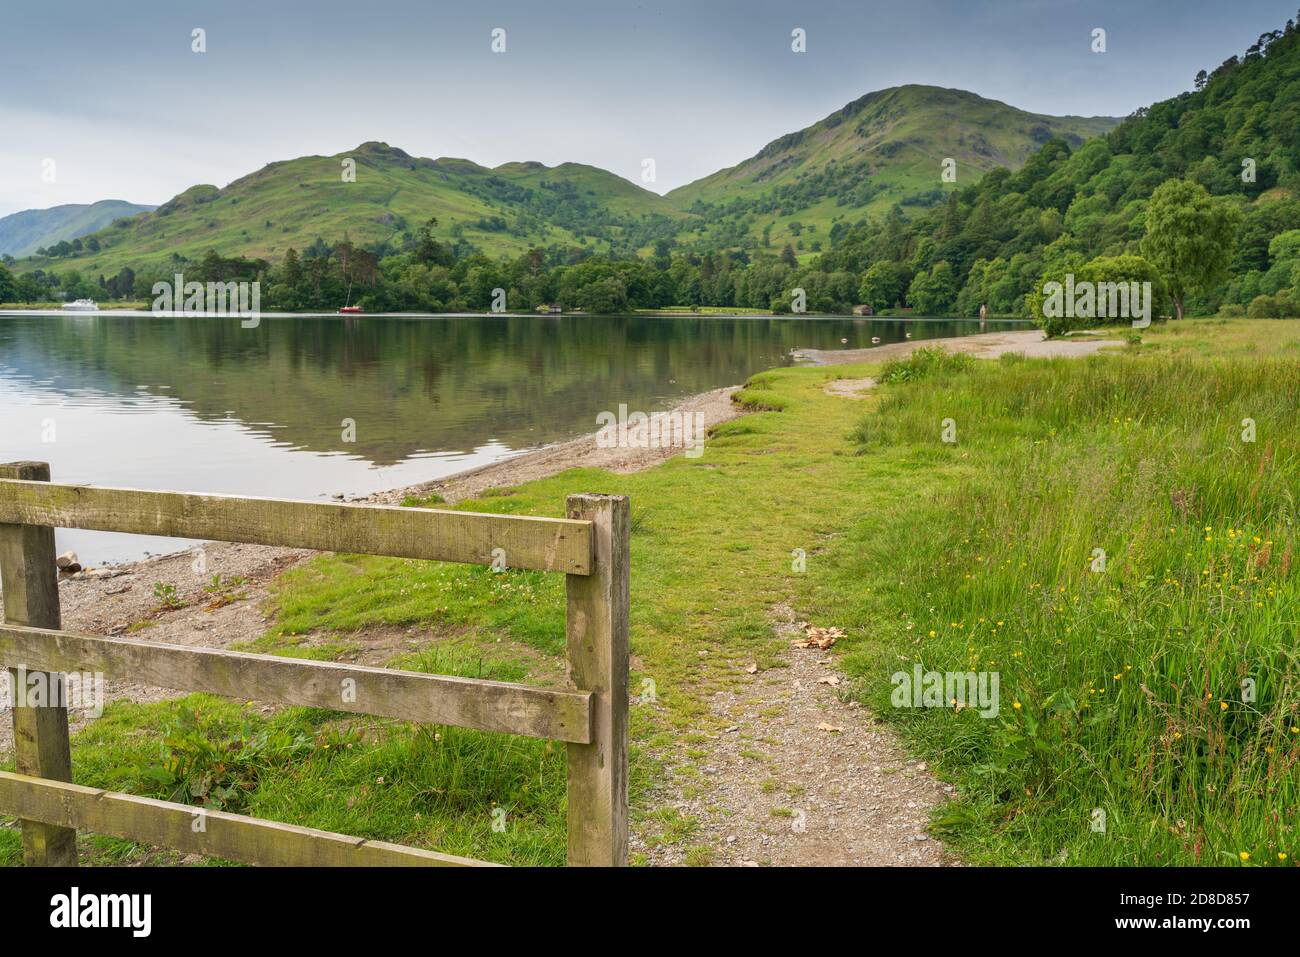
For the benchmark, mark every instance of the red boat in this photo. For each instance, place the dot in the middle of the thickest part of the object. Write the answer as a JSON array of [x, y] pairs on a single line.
[[350, 310]]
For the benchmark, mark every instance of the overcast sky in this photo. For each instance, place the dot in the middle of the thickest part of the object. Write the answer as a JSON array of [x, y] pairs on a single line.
[[114, 95]]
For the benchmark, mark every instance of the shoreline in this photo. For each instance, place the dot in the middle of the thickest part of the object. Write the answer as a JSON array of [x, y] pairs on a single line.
[[225, 611], [714, 406], [983, 345], [219, 589], [142, 310]]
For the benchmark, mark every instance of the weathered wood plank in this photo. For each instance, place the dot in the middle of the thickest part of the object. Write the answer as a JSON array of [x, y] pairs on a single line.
[[232, 837], [557, 714], [31, 597], [597, 635], [546, 544]]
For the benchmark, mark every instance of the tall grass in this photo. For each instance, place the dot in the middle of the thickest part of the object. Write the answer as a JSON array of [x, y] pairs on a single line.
[[1160, 685]]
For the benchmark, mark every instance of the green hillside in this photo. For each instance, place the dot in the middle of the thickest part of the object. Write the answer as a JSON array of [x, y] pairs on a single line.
[[21, 234], [294, 202], [883, 148], [1234, 140], [879, 150]]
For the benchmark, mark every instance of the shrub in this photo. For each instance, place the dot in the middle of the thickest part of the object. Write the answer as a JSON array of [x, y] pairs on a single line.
[[1264, 307], [924, 363]]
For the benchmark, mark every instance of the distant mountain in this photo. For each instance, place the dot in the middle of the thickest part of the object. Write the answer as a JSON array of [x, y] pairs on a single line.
[[21, 234], [883, 148]]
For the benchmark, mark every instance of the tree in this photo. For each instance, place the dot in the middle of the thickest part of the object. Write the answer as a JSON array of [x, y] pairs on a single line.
[[356, 266], [8, 287], [428, 250], [1189, 238], [123, 284], [788, 257], [604, 296], [882, 286], [663, 253], [292, 268], [1105, 285], [932, 293]]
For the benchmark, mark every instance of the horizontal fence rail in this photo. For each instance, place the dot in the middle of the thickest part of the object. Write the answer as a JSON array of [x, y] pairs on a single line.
[[590, 546], [409, 695], [183, 827], [524, 541]]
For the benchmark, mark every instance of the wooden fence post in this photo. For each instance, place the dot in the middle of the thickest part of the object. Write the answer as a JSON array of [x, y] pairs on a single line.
[[596, 626], [31, 597]]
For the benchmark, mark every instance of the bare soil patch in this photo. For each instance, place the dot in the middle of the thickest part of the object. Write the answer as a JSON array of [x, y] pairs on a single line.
[[850, 388]]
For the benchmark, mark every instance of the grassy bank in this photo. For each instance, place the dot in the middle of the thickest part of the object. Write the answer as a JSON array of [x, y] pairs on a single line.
[[975, 555], [1123, 560]]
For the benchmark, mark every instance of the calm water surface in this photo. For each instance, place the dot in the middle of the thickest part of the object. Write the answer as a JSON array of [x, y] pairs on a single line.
[[197, 404]]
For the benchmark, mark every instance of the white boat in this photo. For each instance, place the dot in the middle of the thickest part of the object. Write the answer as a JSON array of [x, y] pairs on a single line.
[[81, 305]]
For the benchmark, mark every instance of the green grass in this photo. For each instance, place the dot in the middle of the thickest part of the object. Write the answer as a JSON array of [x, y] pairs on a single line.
[[1121, 685], [987, 543]]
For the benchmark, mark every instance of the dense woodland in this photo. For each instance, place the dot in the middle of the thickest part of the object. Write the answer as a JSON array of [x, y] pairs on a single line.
[[1231, 146]]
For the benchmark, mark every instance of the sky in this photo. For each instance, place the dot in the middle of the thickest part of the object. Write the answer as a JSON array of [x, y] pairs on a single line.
[[116, 97]]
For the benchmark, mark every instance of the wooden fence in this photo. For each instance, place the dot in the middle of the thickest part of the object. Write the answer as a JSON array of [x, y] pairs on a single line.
[[590, 546]]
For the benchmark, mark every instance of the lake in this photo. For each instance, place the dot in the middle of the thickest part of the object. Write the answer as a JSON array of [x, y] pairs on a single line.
[[203, 404]]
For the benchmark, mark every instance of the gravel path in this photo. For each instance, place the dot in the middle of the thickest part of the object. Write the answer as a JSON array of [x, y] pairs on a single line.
[[802, 777]]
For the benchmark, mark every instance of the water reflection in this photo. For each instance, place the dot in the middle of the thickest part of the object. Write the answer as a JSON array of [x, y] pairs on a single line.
[[206, 405]]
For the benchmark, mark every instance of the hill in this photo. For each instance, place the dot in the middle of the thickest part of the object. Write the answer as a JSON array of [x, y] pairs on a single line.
[[21, 234], [294, 202], [883, 148], [1236, 135]]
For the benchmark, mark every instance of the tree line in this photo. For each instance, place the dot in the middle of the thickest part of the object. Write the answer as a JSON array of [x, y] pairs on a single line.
[[1196, 193]]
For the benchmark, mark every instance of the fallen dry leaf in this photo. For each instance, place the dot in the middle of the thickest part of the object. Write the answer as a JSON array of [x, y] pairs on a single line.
[[819, 638]]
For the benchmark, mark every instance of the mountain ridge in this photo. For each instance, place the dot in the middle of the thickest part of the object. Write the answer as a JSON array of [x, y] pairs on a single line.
[[883, 148], [818, 174], [1096, 125]]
